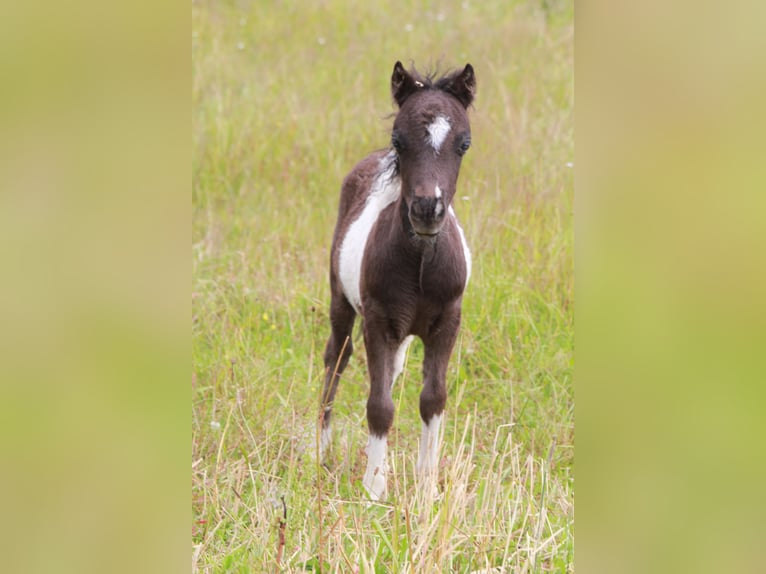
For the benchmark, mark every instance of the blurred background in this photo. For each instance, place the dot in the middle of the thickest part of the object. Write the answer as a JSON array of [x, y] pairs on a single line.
[[94, 229]]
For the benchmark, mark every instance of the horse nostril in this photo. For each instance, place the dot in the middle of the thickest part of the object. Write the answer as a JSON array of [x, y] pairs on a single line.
[[418, 208], [427, 209], [439, 208]]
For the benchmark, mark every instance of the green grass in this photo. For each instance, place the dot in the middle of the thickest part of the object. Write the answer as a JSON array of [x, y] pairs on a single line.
[[287, 98]]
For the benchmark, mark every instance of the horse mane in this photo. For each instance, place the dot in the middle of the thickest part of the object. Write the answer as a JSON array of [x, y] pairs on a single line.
[[434, 79]]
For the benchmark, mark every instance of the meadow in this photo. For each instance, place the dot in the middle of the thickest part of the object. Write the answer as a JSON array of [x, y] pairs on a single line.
[[287, 97]]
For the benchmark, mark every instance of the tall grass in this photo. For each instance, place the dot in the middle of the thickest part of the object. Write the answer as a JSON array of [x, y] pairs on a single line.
[[287, 97]]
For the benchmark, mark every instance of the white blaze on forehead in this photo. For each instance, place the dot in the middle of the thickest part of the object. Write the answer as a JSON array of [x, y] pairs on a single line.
[[437, 132], [384, 191]]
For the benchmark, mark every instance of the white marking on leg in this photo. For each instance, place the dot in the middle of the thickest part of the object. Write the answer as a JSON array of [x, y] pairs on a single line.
[[324, 440], [466, 251], [428, 460], [383, 192], [437, 132], [374, 480], [401, 352]]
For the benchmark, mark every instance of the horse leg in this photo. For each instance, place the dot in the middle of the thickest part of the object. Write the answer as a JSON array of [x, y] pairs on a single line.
[[401, 352], [382, 363], [336, 355], [438, 348]]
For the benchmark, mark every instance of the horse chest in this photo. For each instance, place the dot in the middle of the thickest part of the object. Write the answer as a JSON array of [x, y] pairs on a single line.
[[375, 262], [410, 288]]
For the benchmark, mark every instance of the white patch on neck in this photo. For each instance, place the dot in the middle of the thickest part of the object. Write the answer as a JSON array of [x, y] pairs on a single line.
[[429, 446], [383, 192], [437, 132], [374, 480], [466, 251]]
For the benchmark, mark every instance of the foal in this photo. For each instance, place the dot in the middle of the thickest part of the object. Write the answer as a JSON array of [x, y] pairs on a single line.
[[399, 259]]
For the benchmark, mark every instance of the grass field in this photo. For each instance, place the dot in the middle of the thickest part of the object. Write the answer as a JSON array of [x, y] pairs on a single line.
[[287, 97]]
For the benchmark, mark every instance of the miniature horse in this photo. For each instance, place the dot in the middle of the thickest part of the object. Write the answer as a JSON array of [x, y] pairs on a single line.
[[399, 259]]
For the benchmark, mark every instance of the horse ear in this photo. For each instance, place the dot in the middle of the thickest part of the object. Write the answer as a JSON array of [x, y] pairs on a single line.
[[402, 84], [463, 85]]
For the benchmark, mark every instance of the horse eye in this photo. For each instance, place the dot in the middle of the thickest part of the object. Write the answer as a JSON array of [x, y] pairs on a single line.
[[466, 143], [396, 142]]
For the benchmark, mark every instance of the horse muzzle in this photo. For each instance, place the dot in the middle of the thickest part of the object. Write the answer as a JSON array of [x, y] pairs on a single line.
[[427, 215]]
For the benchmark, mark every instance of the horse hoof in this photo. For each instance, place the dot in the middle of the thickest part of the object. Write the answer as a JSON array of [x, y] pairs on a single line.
[[375, 486]]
